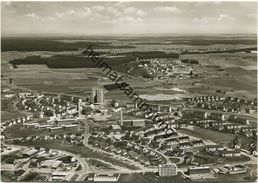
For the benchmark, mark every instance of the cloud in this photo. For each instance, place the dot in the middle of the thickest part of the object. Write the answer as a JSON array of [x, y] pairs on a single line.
[[7, 7], [221, 17], [59, 15], [252, 15], [98, 8], [140, 13], [123, 19], [121, 4], [134, 11], [71, 12], [85, 13], [130, 10], [32, 15], [168, 9], [6, 4], [113, 11]]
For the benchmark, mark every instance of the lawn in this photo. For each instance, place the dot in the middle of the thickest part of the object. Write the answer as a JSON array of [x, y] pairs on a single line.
[[174, 160], [98, 164]]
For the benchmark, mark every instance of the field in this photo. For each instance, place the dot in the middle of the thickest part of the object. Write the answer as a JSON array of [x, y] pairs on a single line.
[[226, 60], [99, 164], [149, 177], [50, 80], [239, 75], [10, 115], [27, 132], [218, 137]]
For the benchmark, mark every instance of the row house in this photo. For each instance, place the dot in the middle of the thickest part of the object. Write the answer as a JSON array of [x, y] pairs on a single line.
[[166, 109], [217, 116], [185, 145], [200, 114], [247, 134], [214, 123], [164, 136], [236, 119], [230, 126], [203, 121], [230, 153], [183, 139], [137, 113], [247, 129], [131, 105], [172, 140], [213, 148], [196, 143], [219, 127], [154, 131]]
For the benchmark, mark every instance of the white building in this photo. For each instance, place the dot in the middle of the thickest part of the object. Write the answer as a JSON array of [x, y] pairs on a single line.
[[97, 96], [106, 177], [167, 170]]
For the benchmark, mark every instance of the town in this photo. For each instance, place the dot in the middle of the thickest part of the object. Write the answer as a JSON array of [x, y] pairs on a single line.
[[120, 129], [128, 91]]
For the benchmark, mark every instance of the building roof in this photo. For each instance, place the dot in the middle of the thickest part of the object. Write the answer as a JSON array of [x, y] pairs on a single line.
[[164, 165], [30, 152], [51, 163], [230, 151], [198, 167], [116, 127], [214, 146]]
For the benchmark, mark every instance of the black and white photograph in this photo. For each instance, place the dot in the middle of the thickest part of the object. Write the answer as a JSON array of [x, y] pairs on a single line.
[[128, 91]]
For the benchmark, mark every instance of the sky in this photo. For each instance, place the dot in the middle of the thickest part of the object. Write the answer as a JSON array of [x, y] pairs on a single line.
[[118, 18]]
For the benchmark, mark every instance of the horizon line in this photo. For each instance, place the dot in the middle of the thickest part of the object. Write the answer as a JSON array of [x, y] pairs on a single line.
[[120, 35]]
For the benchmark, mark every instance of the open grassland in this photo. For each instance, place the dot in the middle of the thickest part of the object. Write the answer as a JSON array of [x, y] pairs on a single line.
[[238, 76], [225, 60], [51, 80], [5, 115], [218, 137], [150, 177], [18, 131]]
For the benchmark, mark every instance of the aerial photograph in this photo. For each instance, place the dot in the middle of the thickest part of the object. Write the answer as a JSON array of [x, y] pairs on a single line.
[[139, 91]]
